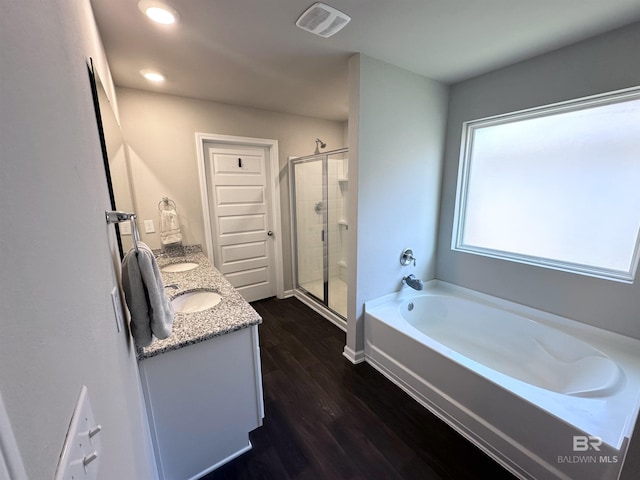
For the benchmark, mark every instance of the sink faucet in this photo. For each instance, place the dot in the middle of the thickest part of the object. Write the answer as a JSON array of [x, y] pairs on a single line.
[[413, 282]]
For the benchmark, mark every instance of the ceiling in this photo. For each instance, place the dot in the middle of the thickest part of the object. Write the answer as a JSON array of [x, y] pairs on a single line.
[[250, 53]]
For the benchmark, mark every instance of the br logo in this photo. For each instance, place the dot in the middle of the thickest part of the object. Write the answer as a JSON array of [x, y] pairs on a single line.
[[583, 443]]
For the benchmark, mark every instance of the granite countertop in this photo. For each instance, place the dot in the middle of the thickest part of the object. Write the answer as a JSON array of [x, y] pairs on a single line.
[[231, 314]]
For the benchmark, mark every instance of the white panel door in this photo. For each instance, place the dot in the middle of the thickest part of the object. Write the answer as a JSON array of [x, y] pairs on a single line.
[[240, 218]]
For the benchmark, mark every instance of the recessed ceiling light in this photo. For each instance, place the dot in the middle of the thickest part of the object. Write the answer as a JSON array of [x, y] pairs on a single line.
[[152, 75], [159, 12]]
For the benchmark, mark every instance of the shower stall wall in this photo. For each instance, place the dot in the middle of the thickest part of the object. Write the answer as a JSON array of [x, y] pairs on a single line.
[[319, 185]]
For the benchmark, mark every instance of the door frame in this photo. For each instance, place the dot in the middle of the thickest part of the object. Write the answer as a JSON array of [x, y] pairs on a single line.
[[205, 140]]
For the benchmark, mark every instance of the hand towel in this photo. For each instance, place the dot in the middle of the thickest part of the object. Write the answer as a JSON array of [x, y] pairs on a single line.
[[169, 227], [150, 308]]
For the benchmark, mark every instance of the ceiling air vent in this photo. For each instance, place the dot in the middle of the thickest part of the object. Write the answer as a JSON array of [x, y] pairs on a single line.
[[322, 20]]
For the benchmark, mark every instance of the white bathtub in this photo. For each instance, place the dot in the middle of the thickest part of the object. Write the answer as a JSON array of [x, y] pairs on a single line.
[[545, 396]]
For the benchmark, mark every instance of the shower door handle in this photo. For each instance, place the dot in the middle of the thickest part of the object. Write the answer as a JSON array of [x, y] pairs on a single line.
[[322, 235]]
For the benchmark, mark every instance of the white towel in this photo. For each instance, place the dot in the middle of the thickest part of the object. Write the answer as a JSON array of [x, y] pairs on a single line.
[[169, 227], [151, 310]]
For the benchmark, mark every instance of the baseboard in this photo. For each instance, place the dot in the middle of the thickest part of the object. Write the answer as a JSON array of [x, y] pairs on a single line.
[[233, 456], [288, 294], [353, 356]]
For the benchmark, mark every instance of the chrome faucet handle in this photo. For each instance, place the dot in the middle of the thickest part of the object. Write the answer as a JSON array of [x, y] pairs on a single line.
[[406, 257]]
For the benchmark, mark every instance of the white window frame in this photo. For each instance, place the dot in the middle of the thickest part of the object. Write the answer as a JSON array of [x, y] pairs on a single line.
[[466, 154]]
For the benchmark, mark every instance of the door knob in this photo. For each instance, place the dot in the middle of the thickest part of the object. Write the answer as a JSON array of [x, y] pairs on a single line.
[[270, 233]]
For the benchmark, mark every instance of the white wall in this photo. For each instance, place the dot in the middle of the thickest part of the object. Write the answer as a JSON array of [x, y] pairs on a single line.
[[57, 255], [601, 64], [160, 131], [396, 131]]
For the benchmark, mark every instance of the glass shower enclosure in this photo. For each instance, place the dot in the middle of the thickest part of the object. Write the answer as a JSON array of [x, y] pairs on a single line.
[[319, 185]]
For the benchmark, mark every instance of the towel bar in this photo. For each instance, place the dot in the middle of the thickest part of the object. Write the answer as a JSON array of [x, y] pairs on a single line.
[[166, 204], [117, 217]]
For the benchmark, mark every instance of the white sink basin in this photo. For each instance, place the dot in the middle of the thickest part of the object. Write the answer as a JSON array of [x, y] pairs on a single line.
[[191, 302], [179, 267]]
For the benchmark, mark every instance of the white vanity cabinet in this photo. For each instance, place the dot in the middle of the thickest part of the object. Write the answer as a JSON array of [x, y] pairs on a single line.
[[202, 401]]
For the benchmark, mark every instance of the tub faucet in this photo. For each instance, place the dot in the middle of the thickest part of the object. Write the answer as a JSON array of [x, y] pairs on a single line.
[[413, 282]]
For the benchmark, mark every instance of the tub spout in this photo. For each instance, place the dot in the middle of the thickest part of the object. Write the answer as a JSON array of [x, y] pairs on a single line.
[[413, 282]]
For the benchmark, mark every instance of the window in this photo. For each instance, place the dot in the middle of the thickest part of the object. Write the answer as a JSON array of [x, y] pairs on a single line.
[[555, 186]]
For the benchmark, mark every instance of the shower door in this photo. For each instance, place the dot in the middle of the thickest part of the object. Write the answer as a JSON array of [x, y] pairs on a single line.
[[318, 188], [337, 230]]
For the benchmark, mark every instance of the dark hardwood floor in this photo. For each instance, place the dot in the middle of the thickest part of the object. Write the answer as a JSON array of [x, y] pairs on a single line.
[[326, 418]]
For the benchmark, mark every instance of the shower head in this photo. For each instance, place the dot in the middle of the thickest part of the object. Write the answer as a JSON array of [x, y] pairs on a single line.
[[319, 144]]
